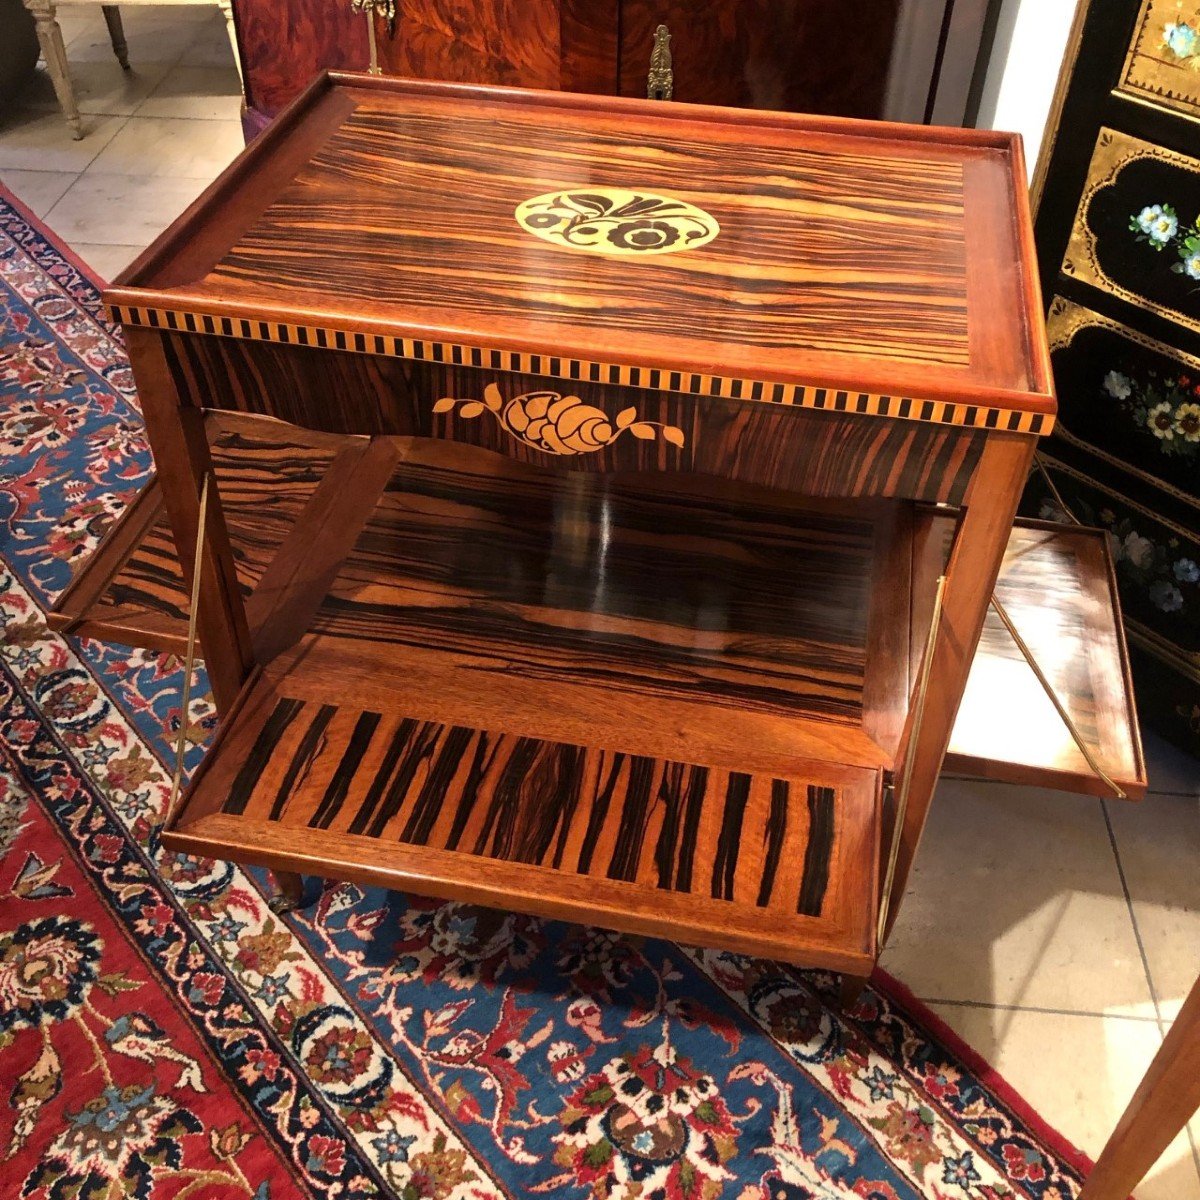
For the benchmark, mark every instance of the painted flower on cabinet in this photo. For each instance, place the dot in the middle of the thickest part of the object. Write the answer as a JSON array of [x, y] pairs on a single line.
[[1158, 226], [1181, 39], [1165, 407], [1167, 577]]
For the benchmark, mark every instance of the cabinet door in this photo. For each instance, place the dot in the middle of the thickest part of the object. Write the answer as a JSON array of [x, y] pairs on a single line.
[[568, 45], [800, 55]]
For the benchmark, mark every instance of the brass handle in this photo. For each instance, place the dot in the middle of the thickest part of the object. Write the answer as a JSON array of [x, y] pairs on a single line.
[[661, 81]]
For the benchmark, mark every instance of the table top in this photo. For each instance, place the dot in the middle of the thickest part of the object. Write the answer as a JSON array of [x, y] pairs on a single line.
[[757, 256]]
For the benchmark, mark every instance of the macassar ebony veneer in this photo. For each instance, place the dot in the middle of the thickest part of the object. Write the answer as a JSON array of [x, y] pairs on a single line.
[[672, 456]]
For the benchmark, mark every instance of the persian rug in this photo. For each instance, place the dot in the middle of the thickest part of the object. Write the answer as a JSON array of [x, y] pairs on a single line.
[[163, 1035]]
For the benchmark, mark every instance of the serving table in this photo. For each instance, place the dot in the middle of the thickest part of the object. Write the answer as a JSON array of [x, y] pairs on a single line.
[[592, 507]]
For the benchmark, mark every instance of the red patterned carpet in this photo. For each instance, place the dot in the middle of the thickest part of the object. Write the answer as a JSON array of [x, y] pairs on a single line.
[[163, 1035]]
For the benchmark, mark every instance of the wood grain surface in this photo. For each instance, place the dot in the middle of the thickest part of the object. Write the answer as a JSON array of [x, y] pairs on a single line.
[[842, 261], [828, 453], [764, 54], [717, 857]]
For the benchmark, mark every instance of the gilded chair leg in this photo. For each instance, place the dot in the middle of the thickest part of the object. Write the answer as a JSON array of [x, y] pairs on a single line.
[[226, 7], [290, 893], [50, 40], [116, 32]]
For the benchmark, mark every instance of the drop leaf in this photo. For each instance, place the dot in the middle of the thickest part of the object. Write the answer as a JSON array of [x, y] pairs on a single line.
[[445, 404]]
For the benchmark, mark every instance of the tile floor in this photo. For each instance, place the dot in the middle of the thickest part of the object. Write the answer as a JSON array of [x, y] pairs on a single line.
[[1057, 935]]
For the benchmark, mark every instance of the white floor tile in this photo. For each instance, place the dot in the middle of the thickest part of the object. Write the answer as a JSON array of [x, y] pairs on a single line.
[[100, 87], [124, 210], [209, 93], [1159, 844], [152, 37], [37, 190], [211, 49], [33, 141], [106, 261], [1016, 899], [171, 146], [1078, 1073]]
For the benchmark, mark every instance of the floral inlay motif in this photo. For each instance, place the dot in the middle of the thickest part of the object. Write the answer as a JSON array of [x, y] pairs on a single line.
[[1158, 225], [617, 221], [557, 424], [1167, 406]]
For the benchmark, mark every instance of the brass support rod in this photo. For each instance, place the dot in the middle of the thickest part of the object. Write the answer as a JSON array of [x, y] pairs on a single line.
[[906, 775], [1048, 688]]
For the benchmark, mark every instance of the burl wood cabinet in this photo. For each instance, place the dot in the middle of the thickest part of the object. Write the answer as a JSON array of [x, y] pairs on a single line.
[[594, 507], [905, 60]]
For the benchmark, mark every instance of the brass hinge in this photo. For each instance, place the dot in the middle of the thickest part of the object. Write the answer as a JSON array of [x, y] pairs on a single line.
[[661, 81]]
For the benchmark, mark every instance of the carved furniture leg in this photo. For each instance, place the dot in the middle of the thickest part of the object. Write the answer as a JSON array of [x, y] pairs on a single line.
[[975, 562], [290, 894], [226, 7], [116, 32], [50, 40], [181, 458], [1162, 1105]]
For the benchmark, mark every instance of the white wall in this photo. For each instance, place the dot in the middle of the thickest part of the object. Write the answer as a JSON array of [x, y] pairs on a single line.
[[1031, 39]]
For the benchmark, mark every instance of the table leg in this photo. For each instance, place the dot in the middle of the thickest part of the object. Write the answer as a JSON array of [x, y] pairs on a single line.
[[1162, 1105], [975, 561], [181, 459], [50, 40], [116, 33], [290, 893]]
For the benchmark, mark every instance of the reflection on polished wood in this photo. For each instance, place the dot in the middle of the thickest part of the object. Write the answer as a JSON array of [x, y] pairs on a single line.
[[463, 547], [1057, 585]]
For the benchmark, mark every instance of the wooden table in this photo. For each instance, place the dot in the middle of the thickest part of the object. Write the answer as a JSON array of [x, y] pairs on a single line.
[[644, 434]]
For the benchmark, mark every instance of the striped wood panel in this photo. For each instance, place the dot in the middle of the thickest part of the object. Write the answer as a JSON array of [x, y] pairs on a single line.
[[264, 478], [627, 817], [644, 589], [770, 864], [796, 221]]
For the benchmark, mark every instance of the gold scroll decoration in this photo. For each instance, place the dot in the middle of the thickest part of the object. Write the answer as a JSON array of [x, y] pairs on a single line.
[[617, 221], [1163, 64], [558, 424], [1113, 153]]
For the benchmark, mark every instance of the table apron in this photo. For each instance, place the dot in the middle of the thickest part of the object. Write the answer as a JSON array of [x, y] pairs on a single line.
[[579, 425]]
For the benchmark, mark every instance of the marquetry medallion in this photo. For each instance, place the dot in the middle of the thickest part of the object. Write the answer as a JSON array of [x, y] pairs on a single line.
[[617, 221]]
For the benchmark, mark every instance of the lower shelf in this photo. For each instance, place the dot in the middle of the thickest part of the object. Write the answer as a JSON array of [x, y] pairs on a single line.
[[784, 866]]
